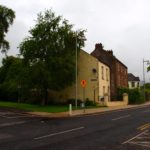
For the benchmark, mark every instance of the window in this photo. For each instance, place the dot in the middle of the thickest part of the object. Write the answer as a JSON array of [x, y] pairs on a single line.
[[107, 74], [102, 68], [103, 90], [133, 84]]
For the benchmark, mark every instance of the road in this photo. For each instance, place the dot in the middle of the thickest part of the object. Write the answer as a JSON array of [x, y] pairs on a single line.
[[127, 129]]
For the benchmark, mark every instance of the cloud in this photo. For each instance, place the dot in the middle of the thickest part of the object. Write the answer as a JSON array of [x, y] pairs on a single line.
[[121, 25]]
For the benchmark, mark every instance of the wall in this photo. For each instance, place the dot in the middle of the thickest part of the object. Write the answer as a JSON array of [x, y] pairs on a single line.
[[89, 69], [104, 80], [121, 75], [118, 78], [124, 102], [136, 84], [87, 65]]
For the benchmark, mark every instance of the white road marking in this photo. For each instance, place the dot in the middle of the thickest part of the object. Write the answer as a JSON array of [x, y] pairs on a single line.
[[121, 117], [12, 115], [136, 143], [143, 137], [134, 137], [58, 133], [12, 123]]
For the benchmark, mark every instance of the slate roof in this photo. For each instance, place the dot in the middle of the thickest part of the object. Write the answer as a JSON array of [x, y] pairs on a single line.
[[131, 77]]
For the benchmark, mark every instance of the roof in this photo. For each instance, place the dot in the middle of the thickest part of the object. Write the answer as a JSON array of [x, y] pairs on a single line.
[[109, 54], [131, 77]]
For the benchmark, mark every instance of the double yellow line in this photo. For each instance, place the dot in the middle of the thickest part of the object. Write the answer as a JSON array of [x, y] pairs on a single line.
[[143, 127]]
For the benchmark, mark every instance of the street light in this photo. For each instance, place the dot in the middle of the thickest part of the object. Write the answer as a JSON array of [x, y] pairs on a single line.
[[76, 73], [76, 68], [144, 61]]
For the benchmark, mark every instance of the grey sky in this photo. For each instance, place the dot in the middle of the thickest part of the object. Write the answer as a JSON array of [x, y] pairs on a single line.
[[121, 25]]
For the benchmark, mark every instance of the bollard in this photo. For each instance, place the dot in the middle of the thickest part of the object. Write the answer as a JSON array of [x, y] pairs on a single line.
[[70, 109]]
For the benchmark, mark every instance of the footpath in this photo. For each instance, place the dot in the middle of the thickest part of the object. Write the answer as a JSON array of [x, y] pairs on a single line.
[[89, 111]]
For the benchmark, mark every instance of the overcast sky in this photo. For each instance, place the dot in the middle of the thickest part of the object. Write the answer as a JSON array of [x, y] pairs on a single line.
[[120, 25]]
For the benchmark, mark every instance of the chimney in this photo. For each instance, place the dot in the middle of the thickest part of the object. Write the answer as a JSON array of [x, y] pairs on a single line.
[[110, 52], [98, 46]]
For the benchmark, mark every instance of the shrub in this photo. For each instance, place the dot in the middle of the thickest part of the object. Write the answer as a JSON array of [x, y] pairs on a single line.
[[89, 102], [72, 101], [135, 95]]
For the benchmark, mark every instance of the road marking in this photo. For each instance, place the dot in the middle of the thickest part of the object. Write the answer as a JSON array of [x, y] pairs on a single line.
[[14, 115], [121, 117], [58, 133], [138, 143], [143, 127], [23, 116], [135, 137], [12, 123]]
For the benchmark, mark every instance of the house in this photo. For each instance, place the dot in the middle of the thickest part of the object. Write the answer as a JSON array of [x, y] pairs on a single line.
[[94, 74], [118, 71], [133, 82]]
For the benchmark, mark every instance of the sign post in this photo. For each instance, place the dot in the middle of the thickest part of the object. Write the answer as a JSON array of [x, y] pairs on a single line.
[[83, 84]]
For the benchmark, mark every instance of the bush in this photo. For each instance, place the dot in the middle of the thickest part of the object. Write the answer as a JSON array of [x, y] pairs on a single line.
[[89, 102], [72, 101], [135, 95]]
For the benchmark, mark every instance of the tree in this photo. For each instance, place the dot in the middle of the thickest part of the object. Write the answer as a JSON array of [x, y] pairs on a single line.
[[49, 52], [6, 19], [12, 76]]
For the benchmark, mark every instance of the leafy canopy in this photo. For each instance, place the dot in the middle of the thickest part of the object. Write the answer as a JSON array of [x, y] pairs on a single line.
[[6, 19], [49, 51]]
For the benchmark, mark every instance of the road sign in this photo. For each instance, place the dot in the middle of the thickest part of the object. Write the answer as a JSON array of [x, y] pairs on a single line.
[[83, 83]]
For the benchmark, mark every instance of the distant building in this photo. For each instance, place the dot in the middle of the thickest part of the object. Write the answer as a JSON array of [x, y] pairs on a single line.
[[118, 71], [133, 82]]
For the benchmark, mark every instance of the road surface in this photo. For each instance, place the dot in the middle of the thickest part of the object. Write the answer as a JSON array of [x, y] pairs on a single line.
[[127, 129]]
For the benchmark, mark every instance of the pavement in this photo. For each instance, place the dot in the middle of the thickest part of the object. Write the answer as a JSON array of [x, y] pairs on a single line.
[[89, 111]]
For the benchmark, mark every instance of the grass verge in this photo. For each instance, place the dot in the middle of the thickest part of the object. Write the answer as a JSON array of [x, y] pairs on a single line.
[[38, 108]]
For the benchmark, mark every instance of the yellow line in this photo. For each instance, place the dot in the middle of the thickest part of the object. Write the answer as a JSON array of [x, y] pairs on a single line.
[[143, 127]]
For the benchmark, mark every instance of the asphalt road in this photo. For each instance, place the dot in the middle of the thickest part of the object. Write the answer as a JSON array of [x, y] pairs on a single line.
[[119, 130]]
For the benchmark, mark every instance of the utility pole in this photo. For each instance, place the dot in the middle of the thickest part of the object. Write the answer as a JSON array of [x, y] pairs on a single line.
[[147, 61]]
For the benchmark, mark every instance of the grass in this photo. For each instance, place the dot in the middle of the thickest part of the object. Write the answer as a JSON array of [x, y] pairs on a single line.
[[40, 108]]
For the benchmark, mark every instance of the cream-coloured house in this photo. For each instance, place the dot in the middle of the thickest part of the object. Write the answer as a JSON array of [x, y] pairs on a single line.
[[133, 82], [95, 74]]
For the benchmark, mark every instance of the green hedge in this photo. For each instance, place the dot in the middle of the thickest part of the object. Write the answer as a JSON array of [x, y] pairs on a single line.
[[135, 95]]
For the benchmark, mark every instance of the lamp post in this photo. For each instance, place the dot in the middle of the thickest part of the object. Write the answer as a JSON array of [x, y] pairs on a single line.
[[147, 61], [76, 73]]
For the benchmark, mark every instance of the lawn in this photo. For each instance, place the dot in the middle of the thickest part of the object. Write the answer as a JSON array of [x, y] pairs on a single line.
[[39, 108]]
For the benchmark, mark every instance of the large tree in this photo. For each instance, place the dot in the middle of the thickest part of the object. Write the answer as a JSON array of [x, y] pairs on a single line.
[[13, 75], [49, 51], [6, 19]]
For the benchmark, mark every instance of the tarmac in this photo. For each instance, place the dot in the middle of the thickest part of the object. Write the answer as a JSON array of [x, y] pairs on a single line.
[[86, 111]]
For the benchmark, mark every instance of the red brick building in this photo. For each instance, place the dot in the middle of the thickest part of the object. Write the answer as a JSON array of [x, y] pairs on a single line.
[[118, 71]]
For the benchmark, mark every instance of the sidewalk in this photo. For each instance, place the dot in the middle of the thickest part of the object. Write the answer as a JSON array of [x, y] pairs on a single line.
[[86, 111]]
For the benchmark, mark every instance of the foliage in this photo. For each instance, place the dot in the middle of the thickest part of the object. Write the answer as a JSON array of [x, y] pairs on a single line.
[[13, 75], [6, 19], [49, 52], [147, 86], [31, 107], [148, 68], [72, 101], [89, 102], [135, 95]]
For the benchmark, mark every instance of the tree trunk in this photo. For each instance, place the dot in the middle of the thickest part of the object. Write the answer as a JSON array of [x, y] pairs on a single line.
[[44, 96]]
